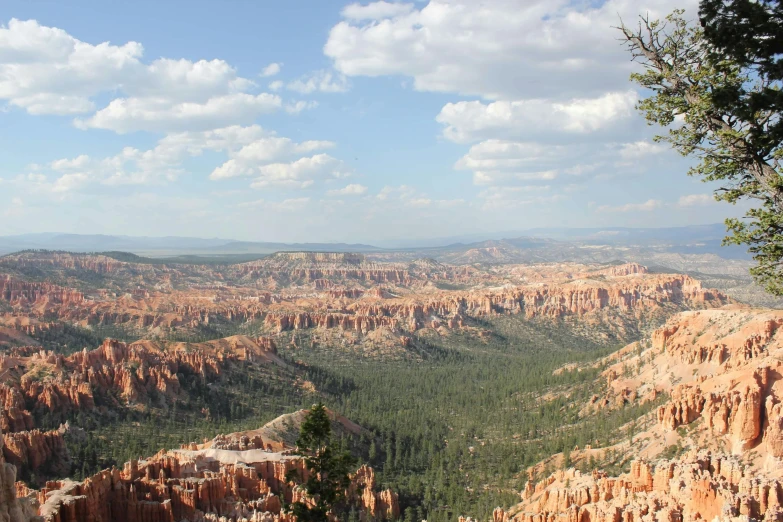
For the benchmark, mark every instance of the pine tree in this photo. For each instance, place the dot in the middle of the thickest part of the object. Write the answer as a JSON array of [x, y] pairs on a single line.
[[328, 467]]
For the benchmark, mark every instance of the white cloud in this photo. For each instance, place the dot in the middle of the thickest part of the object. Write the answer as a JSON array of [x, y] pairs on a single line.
[[470, 121], [640, 149], [252, 156], [647, 206], [124, 115], [410, 197], [425, 202], [47, 71], [353, 189], [322, 81], [130, 167], [508, 162], [276, 85], [293, 204], [501, 49], [299, 174], [252, 151], [15, 208], [51, 103], [297, 107], [376, 11], [506, 198], [271, 70], [401, 192], [696, 200]]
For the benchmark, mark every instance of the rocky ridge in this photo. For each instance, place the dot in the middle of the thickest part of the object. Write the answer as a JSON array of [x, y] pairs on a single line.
[[201, 483], [544, 291], [40, 380], [723, 372]]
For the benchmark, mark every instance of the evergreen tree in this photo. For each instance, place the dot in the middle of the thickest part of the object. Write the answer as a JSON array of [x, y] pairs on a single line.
[[718, 90], [328, 467]]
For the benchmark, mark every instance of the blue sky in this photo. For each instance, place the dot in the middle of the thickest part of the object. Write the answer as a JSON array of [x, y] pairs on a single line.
[[319, 120]]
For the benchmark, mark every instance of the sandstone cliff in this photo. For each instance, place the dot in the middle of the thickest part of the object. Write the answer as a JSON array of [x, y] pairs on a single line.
[[346, 292], [12, 508], [208, 482], [698, 487], [723, 373]]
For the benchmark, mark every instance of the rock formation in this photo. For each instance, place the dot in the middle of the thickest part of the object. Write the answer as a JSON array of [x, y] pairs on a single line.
[[206, 482], [723, 368], [42, 380], [12, 508], [300, 290], [34, 449], [698, 487]]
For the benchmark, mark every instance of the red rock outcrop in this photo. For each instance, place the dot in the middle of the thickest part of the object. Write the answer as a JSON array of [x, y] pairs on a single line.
[[735, 384], [34, 449], [12, 507], [35, 293], [721, 367], [698, 487], [543, 291], [200, 485]]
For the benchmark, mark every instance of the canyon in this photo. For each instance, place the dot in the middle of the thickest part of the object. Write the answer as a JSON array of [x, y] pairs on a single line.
[[217, 345], [296, 291], [721, 372], [237, 477], [114, 374]]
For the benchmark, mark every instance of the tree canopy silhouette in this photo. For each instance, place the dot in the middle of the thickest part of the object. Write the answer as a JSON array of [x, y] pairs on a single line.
[[718, 91], [328, 468]]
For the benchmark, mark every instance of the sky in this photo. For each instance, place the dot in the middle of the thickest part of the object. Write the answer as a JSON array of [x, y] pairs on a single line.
[[323, 120]]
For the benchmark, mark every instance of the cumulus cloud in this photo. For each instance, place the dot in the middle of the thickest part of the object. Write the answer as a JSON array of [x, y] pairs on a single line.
[[45, 70], [297, 107], [500, 162], [468, 121], [647, 206], [504, 49], [353, 189], [124, 115], [264, 151], [132, 166], [410, 197], [400, 192], [640, 149], [15, 208], [271, 70], [507, 198], [252, 152], [320, 81], [299, 174], [695, 200]]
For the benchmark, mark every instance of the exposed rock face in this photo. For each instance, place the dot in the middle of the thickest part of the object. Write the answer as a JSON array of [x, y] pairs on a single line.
[[25, 293], [345, 291], [12, 508], [53, 382], [721, 367], [740, 390], [382, 505], [699, 487], [34, 449], [44, 381], [203, 483]]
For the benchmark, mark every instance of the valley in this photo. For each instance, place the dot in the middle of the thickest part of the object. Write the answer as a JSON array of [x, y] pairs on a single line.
[[145, 391]]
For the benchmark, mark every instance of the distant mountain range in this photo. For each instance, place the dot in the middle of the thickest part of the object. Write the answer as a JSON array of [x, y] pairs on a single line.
[[161, 246], [700, 239]]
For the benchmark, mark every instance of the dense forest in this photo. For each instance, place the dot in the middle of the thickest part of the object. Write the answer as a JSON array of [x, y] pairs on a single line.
[[452, 427]]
